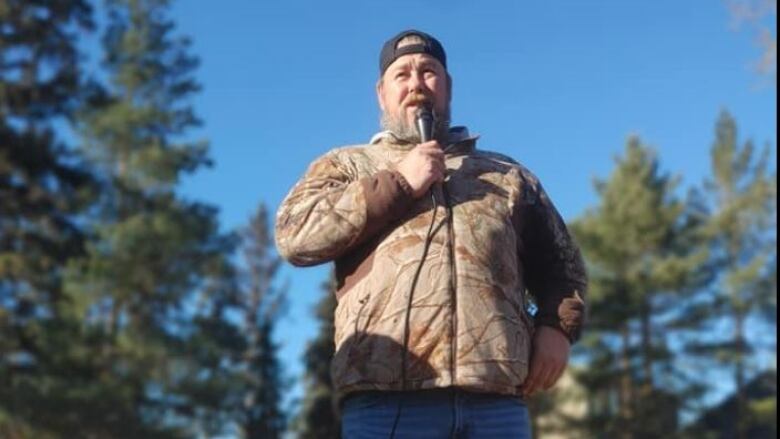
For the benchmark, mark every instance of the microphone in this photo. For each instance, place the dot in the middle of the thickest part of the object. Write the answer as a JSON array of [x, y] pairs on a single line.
[[424, 122]]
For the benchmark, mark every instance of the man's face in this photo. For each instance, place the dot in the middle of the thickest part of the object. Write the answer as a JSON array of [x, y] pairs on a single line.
[[411, 81]]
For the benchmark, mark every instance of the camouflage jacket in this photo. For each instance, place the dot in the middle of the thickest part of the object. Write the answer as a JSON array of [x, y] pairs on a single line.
[[493, 236]]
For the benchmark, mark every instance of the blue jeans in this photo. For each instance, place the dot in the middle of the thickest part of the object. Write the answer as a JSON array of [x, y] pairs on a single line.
[[434, 414]]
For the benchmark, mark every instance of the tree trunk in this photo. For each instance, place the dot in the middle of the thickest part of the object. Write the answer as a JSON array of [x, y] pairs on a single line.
[[647, 348], [739, 372], [626, 386]]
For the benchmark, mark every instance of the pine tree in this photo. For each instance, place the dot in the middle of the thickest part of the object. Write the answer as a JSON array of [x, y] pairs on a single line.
[[740, 231], [153, 255], [263, 384], [319, 417], [640, 265], [44, 187]]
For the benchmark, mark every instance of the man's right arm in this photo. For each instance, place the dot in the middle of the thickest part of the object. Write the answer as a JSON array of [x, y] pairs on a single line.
[[331, 210]]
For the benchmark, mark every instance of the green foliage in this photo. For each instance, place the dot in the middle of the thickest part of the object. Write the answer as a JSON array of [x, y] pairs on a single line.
[[261, 305], [121, 312], [319, 417], [764, 412], [152, 253], [640, 267], [722, 420], [44, 187], [666, 269], [739, 231]]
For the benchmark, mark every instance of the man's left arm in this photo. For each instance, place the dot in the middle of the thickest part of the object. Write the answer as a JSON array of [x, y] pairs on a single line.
[[555, 276]]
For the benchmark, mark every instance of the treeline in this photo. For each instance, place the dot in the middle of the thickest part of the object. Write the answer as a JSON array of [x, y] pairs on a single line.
[[124, 311], [683, 301]]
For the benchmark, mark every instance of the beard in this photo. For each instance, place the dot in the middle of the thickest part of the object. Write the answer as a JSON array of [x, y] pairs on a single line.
[[402, 129]]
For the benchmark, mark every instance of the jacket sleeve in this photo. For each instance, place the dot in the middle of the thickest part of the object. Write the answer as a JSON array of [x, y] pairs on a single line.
[[554, 270], [331, 210]]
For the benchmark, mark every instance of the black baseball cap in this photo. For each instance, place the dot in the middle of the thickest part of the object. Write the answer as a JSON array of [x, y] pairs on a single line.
[[429, 45]]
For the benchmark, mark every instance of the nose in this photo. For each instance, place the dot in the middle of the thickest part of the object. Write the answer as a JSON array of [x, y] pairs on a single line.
[[416, 82]]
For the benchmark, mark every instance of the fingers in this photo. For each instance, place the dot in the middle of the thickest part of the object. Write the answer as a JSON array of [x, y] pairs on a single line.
[[545, 370], [547, 378], [541, 381], [423, 166], [552, 377], [541, 376], [433, 157], [431, 144], [439, 176], [436, 171], [531, 384], [431, 149], [549, 357]]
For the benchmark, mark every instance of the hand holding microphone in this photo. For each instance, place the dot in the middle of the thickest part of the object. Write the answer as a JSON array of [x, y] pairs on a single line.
[[424, 165]]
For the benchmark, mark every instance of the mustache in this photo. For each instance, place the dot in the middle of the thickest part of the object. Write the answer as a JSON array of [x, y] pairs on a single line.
[[414, 99]]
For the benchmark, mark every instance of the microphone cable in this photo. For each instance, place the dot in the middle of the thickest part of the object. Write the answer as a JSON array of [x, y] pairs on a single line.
[[415, 278], [424, 123]]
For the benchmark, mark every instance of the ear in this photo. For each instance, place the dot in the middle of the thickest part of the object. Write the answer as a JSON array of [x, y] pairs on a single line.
[[449, 88], [380, 96]]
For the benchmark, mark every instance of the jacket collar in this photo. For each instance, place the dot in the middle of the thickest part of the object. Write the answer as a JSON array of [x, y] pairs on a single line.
[[459, 140]]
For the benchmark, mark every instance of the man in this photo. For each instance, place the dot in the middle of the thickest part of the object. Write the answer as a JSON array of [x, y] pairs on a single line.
[[437, 245]]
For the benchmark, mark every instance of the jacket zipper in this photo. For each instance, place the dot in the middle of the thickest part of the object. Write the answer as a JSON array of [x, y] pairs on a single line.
[[453, 285]]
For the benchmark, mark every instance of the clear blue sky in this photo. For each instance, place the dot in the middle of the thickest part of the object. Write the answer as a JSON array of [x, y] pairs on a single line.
[[558, 85]]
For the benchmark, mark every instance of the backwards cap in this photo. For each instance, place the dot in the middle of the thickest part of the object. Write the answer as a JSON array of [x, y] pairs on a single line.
[[429, 45]]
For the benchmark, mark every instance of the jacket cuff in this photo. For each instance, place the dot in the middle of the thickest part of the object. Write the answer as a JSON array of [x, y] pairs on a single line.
[[569, 319]]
